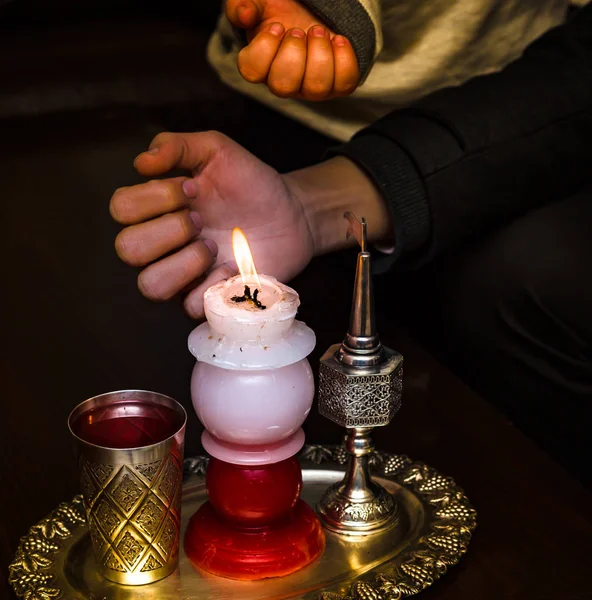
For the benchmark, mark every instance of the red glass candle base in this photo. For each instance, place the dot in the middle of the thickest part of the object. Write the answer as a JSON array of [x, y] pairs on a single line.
[[254, 525], [253, 496], [275, 551]]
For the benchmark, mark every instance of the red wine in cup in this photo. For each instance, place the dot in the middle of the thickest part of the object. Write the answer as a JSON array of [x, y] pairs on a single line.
[[127, 425]]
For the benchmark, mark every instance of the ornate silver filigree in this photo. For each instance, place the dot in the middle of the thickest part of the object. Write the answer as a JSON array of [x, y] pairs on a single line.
[[451, 520], [354, 399], [344, 511]]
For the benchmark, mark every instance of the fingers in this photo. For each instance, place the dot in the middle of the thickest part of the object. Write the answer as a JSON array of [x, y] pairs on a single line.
[[139, 245], [194, 303], [310, 65], [347, 74], [320, 65], [287, 71], [130, 205], [254, 60], [244, 14], [165, 278]]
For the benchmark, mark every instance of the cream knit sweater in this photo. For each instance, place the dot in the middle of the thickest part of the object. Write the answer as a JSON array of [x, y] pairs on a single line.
[[406, 49]]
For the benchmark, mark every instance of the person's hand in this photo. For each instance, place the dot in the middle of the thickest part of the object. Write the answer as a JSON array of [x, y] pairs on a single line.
[[180, 229], [291, 51]]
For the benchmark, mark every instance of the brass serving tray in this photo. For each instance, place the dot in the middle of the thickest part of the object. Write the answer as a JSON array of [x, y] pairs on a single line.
[[54, 559]]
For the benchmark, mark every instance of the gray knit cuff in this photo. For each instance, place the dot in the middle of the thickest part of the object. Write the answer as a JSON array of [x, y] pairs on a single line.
[[397, 178], [350, 19]]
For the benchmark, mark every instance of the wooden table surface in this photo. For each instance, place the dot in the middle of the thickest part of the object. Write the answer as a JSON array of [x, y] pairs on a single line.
[[74, 326]]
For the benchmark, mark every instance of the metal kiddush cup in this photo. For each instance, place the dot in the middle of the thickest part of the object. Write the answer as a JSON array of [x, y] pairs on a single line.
[[360, 386], [129, 447]]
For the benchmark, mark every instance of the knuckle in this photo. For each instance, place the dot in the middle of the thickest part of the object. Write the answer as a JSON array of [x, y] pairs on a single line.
[[154, 185], [199, 256], [166, 190], [162, 138], [149, 284], [321, 61], [215, 138], [316, 90], [250, 74], [346, 89], [151, 189], [122, 206], [190, 308], [248, 70], [282, 88], [183, 226], [128, 248]]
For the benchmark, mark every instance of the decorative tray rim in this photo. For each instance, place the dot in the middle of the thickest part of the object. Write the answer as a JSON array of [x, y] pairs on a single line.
[[450, 524]]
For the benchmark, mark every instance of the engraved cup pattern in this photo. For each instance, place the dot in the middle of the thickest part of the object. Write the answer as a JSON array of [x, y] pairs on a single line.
[[132, 500], [132, 514]]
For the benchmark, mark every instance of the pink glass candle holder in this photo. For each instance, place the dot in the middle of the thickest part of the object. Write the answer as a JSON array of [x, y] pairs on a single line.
[[252, 388]]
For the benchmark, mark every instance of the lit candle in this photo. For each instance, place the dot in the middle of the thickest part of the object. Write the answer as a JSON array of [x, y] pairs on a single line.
[[252, 388], [250, 320]]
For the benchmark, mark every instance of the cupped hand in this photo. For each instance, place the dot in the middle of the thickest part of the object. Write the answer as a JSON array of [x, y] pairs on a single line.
[[291, 51], [179, 229]]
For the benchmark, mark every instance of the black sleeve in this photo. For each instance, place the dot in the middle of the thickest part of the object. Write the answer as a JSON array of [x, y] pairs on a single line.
[[467, 159]]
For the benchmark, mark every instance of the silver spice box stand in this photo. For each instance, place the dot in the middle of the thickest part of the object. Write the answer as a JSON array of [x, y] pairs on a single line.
[[360, 387]]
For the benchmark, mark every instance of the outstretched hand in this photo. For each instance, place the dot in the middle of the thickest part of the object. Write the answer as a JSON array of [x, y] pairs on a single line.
[[179, 229], [291, 51]]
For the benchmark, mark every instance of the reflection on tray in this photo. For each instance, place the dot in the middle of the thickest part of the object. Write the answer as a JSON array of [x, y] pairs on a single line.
[[432, 533]]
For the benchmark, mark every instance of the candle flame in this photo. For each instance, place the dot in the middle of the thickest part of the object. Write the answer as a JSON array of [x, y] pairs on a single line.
[[244, 258]]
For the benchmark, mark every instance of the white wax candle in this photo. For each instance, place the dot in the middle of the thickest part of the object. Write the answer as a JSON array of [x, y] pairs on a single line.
[[238, 335], [245, 320]]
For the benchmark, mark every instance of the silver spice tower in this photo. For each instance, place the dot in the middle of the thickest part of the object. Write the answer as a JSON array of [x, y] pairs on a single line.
[[360, 386]]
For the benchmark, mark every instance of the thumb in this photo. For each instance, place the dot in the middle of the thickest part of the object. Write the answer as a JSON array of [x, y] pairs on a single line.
[[190, 151], [244, 14], [194, 302]]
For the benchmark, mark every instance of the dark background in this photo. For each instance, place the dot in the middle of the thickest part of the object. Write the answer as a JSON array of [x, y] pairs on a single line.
[[83, 89]]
